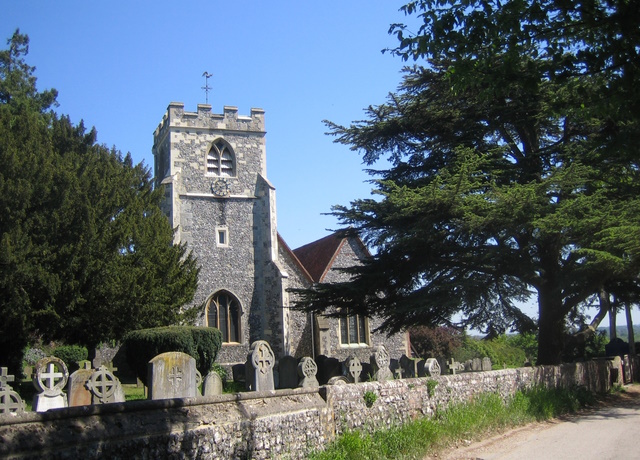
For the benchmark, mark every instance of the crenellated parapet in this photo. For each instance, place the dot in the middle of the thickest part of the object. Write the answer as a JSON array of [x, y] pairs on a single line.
[[229, 120]]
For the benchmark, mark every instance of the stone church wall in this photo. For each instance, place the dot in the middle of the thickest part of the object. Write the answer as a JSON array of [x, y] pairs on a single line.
[[349, 255]]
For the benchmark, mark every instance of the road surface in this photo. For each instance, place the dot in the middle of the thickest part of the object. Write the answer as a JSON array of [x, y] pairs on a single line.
[[611, 431]]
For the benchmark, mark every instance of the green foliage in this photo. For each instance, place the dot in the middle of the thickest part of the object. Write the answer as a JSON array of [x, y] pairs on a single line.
[[202, 343], [469, 421], [71, 355], [502, 350], [513, 146], [435, 342], [221, 371], [369, 397], [431, 387], [86, 254]]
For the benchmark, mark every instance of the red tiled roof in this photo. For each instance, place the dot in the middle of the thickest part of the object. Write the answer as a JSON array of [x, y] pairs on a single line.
[[317, 257], [295, 259]]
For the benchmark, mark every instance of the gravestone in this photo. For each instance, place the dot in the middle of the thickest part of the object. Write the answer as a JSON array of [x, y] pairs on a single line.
[[476, 365], [172, 375], [198, 382], [105, 387], [261, 360], [288, 372], [79, 394], [307, 370], [409, 366], [455, 367], [421, 368], [212, 385], [327, 368], [432, 367], [10, 401], [486, 364], [338, 380], [380, 363], [51, 376], [354, 369]]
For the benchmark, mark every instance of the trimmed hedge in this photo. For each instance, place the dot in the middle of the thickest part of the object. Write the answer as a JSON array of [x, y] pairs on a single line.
[[201, 343], [71, 355]]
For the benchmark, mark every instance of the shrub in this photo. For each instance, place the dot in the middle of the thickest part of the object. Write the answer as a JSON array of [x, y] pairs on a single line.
[[369, 398], [71, 355], [201, 343]]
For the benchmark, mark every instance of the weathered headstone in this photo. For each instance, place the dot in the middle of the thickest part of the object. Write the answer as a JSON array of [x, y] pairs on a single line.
[[327, 368], [454, 367], [79, 394], [198, 382], [421, 368], [212, 385], [262, 360], [288, 372], [307, 370], [486, 364], [409, 366], [380, 363], [105, 387], [354, 369], [432, 367], [10, 401], [172, 375], [338, 380], [476, 365], [51, 376]]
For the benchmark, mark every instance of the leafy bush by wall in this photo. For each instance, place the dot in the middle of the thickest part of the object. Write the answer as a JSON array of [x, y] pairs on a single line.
[[71, 355], [201, 343]]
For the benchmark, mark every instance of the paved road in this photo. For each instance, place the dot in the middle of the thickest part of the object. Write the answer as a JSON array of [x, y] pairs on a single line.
[[611, 432]]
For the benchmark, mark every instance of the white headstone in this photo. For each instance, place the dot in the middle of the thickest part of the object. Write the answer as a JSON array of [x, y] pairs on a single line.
[[51, 376]]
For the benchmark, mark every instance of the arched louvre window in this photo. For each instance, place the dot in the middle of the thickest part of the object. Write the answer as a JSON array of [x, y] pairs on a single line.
[[221, 160], [223, 312]]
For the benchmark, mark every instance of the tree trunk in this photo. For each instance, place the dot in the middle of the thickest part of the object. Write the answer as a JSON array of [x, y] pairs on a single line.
[[605, 303], [551, 328], [632, 340]]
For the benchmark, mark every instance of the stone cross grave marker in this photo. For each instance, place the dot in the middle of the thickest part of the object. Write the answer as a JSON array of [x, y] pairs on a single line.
[[486, 364], [212, 385], [453, 366], [380, 363], [10, 401], [354, 369], [105, 387], [51, 376], [262, 360], [172, 375], [432, 366], [307, 371], [288, 370]]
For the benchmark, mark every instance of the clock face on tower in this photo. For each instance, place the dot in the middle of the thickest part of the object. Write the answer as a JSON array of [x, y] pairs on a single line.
[[220, 188]]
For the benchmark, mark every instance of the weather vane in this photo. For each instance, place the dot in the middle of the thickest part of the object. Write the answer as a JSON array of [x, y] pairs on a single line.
[[206, 86]]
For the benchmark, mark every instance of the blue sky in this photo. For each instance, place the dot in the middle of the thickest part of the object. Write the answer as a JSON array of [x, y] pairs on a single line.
[[117, 65]]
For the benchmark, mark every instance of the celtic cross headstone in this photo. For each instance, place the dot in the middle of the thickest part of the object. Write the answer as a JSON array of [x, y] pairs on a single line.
[[261, 359], [380, 363], [105, 387], [432, 367], [354, 369], [307, 371], [51, 376], [10, 401]]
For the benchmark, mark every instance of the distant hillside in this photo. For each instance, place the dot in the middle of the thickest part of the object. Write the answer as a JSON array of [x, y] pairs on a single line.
[[621, 332]]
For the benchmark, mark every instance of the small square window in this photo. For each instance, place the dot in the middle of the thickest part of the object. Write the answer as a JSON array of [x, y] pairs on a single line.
[[222, 237]]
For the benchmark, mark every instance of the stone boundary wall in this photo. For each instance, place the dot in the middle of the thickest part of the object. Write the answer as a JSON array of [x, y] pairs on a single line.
[[261, 425], [400, 401]]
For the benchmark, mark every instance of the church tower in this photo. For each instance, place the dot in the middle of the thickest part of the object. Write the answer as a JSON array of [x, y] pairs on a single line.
[[217, 197]]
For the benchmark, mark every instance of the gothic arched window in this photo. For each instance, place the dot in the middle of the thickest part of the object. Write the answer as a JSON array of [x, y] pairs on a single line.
[[221, 160], [223, 312]]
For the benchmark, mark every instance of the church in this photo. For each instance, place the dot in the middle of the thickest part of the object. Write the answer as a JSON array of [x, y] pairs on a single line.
[[218, 198]]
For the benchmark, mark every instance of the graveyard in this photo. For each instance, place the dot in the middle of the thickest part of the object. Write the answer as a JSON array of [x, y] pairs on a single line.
[[290, 406]]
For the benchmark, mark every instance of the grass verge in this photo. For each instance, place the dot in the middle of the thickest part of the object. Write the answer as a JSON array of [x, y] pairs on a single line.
[[486, 414]]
